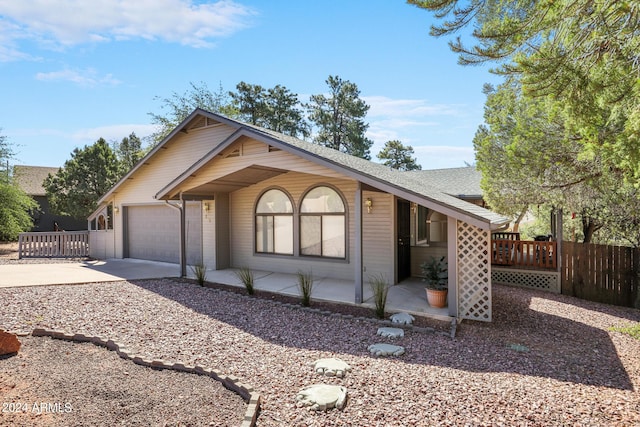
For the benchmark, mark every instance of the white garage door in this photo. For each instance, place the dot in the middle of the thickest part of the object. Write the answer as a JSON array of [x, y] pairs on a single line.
[[153, 233]]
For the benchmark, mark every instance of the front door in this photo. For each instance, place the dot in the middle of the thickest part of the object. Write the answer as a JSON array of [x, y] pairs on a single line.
[[403, 227]]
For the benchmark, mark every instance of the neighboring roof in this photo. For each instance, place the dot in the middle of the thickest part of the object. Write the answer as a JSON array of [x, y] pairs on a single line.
[[31, 178], [459, 182]]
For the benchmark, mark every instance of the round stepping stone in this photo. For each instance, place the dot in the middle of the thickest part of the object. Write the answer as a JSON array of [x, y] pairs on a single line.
[[331, 367], [322, 397], [391, 332], [402, 318], [381, 349]]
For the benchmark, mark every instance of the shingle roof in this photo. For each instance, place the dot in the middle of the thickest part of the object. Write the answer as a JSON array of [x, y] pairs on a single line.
[[31, 178], [406, 184], [458, 182], [429, 184]]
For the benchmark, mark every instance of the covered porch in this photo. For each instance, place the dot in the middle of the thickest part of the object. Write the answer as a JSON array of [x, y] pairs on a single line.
[[407, 296]]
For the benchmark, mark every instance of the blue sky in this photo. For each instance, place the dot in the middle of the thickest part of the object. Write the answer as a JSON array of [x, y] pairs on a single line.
[[74, 71]]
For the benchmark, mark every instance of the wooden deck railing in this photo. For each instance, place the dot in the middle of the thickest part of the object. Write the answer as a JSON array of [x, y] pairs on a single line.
[[524, 253], [61, 244]]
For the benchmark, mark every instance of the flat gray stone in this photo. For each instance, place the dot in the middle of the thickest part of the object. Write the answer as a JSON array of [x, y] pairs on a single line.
[[381, 349], [331, 367], [391, 332], [402, 318], [322, 397]]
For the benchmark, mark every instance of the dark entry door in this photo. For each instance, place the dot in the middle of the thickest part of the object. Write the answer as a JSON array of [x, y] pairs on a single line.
[[404, 239]]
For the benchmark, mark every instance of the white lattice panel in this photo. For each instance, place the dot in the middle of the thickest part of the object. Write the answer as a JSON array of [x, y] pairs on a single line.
[[543, 280], [474, 272]]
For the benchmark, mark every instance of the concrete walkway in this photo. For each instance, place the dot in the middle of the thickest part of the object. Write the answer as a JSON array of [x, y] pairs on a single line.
[[111, 270], [408, 296]]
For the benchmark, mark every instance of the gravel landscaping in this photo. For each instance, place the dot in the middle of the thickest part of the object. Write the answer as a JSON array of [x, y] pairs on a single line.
[[545, 360], [55, 382]]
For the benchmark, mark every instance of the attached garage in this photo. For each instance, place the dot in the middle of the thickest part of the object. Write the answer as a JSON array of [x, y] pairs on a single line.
[[152, 233]]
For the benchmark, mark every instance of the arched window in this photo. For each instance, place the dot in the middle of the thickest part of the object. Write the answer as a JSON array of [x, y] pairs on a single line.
[[323, 224], [274, 223]]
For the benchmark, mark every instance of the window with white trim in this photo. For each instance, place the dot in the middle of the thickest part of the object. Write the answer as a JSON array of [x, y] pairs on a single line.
[[323, 223], [274, 223]]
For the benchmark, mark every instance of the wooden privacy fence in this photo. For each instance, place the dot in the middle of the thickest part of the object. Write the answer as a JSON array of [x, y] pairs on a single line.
[[62, 244], [524, 253], [601, 273]]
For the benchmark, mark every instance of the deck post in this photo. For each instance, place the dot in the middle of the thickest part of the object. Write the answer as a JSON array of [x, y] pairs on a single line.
[[357, 264], [559, 237], [452, 265]]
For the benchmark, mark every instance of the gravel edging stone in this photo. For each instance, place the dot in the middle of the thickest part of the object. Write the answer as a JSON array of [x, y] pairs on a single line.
[[229, 381]]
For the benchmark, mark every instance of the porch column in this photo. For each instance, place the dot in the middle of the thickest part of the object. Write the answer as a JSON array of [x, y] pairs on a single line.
[[357, 262], [452, 265], [183, 242]]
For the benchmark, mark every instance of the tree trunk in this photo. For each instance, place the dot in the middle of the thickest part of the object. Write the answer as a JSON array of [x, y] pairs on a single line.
[[516, 224], [589, 227]]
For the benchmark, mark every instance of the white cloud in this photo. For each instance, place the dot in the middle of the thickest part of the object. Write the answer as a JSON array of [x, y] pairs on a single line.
[[419, 124], [9, 34], [87, 77], [407, 120], [441, 156], [384, 106], [68, 22]]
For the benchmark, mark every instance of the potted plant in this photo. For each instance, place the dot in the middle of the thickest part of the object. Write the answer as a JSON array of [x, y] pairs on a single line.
[[436, 276]]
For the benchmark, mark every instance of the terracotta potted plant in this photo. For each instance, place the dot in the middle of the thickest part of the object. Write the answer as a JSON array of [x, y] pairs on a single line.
[[436, 276]]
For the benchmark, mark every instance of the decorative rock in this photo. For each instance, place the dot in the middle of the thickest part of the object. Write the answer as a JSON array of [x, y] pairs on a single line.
[[391, 332], [402, 318], [331, 367], [321, 397], [9, 343], [381, 349]]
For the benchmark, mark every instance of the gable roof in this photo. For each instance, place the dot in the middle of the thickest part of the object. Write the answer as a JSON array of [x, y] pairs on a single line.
[[411, 186], [31, 178]]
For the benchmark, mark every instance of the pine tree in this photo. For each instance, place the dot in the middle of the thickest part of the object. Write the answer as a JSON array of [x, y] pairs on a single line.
[[340, 118], [398, 156]]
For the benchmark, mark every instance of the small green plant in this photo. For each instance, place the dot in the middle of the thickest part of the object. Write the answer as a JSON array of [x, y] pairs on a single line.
[[380, 288], [200, 272], [305, 285], [245, 275], [633, 331], [436, 273]]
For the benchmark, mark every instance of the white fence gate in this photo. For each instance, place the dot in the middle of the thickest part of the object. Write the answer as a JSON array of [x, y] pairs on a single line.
[[60, 244]]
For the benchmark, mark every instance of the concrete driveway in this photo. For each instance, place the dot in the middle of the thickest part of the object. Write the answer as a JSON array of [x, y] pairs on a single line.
[[111, 270]]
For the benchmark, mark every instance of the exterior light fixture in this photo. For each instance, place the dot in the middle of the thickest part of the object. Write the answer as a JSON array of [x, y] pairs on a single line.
[[369, 204]]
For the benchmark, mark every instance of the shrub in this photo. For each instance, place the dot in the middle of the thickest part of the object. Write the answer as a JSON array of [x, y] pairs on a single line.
[[200, 271], [245, 275], [305, 285], [380, 288]]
